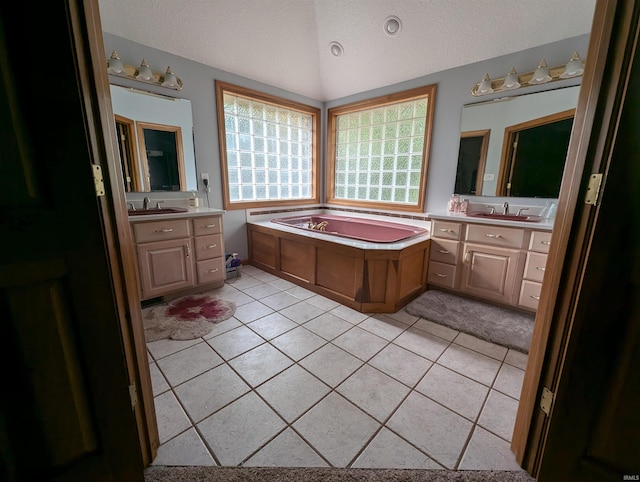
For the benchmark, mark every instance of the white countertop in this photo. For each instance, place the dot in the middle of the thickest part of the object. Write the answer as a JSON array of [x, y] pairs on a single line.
[[354, 243], [544, 225], [191, 213]]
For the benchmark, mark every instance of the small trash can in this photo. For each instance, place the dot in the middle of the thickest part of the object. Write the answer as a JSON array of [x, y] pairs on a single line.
[[233, 265]]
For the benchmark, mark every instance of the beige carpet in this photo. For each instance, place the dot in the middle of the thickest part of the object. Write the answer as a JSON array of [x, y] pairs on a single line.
[[276, 474]]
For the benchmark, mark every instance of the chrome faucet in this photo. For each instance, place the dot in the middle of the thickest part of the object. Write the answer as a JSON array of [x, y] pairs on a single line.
[[133, 206], [505, 206], [145, 202], [522, 209], [491, 209], [319, 227]]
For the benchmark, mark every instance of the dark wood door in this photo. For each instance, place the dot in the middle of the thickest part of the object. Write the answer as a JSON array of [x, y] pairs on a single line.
[[65, 408]]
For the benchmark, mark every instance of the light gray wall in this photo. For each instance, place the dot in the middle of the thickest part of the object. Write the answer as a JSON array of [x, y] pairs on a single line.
[[453, 91]]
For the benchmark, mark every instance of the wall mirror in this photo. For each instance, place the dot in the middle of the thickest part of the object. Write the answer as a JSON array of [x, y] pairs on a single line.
[[155, 138], [515, 146]]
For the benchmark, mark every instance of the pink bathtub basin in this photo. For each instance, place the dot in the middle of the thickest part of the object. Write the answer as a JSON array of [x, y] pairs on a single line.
[[355, 228]]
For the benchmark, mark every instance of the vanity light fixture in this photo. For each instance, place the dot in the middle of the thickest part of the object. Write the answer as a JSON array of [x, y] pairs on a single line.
[[392, 26], [542, 75], [143, 73], [485, 86], [114, 64], [511, 80], [574, 67], [336, 49]]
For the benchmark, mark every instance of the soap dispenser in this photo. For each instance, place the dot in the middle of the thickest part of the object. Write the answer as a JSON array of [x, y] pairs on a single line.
[[194, 202]]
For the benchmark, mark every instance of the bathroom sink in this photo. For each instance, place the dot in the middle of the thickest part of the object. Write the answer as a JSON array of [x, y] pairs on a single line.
[[146, 212], [504, 217]]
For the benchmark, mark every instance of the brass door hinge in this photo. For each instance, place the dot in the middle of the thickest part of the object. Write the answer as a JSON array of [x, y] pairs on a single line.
[[593, 189], [133, 394], [546, 400], [98, 180]]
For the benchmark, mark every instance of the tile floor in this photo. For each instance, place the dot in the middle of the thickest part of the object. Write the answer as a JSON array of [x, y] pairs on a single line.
[[295, 379]]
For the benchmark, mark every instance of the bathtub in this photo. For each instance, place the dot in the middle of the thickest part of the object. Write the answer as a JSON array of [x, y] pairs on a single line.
[[369, 230]]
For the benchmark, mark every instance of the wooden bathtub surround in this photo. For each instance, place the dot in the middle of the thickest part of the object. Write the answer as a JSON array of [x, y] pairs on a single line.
[[367, 280]]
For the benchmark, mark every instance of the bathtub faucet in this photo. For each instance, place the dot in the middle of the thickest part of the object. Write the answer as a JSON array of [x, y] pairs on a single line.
[[320, 226]]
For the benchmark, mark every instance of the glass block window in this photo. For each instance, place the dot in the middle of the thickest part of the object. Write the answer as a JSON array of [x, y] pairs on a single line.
[[378, 150], [268, 149]]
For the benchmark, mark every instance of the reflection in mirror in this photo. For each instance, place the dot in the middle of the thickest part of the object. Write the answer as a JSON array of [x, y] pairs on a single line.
[[155, 137], [516, 146]]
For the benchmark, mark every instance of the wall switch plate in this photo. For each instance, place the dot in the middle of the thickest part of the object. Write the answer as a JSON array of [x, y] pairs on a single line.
[[488, 177]]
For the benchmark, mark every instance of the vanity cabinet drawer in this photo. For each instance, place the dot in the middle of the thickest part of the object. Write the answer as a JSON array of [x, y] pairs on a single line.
[[442, 229], [530, 294], [210, 270], [442, 274], [208, 225], [444, 251], [495, 235], [208, 247], [535, 266], [161, 230], [540, 241]]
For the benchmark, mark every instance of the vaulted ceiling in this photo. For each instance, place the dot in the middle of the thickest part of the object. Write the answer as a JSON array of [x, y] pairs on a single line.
[[286, 43]]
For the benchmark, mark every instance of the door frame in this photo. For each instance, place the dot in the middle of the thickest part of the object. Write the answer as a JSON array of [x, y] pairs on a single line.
[[604, 81]]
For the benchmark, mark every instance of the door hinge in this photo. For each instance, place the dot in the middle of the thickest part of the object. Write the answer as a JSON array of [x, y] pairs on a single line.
[[546, 400], [593, 189], [133, 394], [98, 180]]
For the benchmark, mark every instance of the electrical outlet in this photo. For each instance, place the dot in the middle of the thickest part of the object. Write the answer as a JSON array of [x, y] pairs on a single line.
[[204, 175]]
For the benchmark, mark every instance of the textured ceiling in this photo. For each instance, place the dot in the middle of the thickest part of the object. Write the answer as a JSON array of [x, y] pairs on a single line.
[[286, 42]]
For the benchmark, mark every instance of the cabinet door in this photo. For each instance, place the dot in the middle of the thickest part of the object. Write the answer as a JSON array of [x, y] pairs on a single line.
[[489, 272], [165, 266]]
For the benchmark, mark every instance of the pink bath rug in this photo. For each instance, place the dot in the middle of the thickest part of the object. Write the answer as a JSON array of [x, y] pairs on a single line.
[[185, 318]]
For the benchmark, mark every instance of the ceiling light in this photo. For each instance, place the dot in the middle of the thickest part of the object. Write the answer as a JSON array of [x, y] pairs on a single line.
[[144, 72], [336, 49], [115, 65], [169, 79], [392, 26], [485, 86]]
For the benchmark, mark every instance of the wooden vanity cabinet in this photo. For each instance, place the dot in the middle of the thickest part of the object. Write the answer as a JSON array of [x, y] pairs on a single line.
[[495, 263], [176, 255]]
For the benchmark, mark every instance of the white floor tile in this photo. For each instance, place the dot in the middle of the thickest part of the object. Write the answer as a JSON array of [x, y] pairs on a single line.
[[435, 430], [322, 302], [258, 365], [222, 327], [349, 314], [238, 430], [328, 326], [261, 291], [509, 381], [235, 342], [456, 392], [422, 343], [252, 311], [185, 449], [383, 326], [401, 364], [499, 415], [481, 346], [272, 325], [161, 348], [337, 429], [293, 392], [170, 416], [188, 363], [280, 300], [388, 451], [436, 329], [203, 395], [470, 364], [286, 450], [360, 343], [298, 342], [331, 364], [301, 312], [158, 382], [516, 359], [300, 292], [374, 392], [488, 452]]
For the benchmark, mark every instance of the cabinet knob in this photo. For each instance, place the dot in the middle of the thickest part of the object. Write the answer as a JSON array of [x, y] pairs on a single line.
[[212, 270], [445, 230], [440, 275], [212, 246], [443, 251], [188, 249], [534, 297], [166, 230], [540, 268], [210, 226], [467, 257], [546, 242], [493, 235]]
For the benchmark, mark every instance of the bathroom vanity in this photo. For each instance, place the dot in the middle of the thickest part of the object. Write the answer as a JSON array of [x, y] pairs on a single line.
[[498, 261], [178, 252]]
